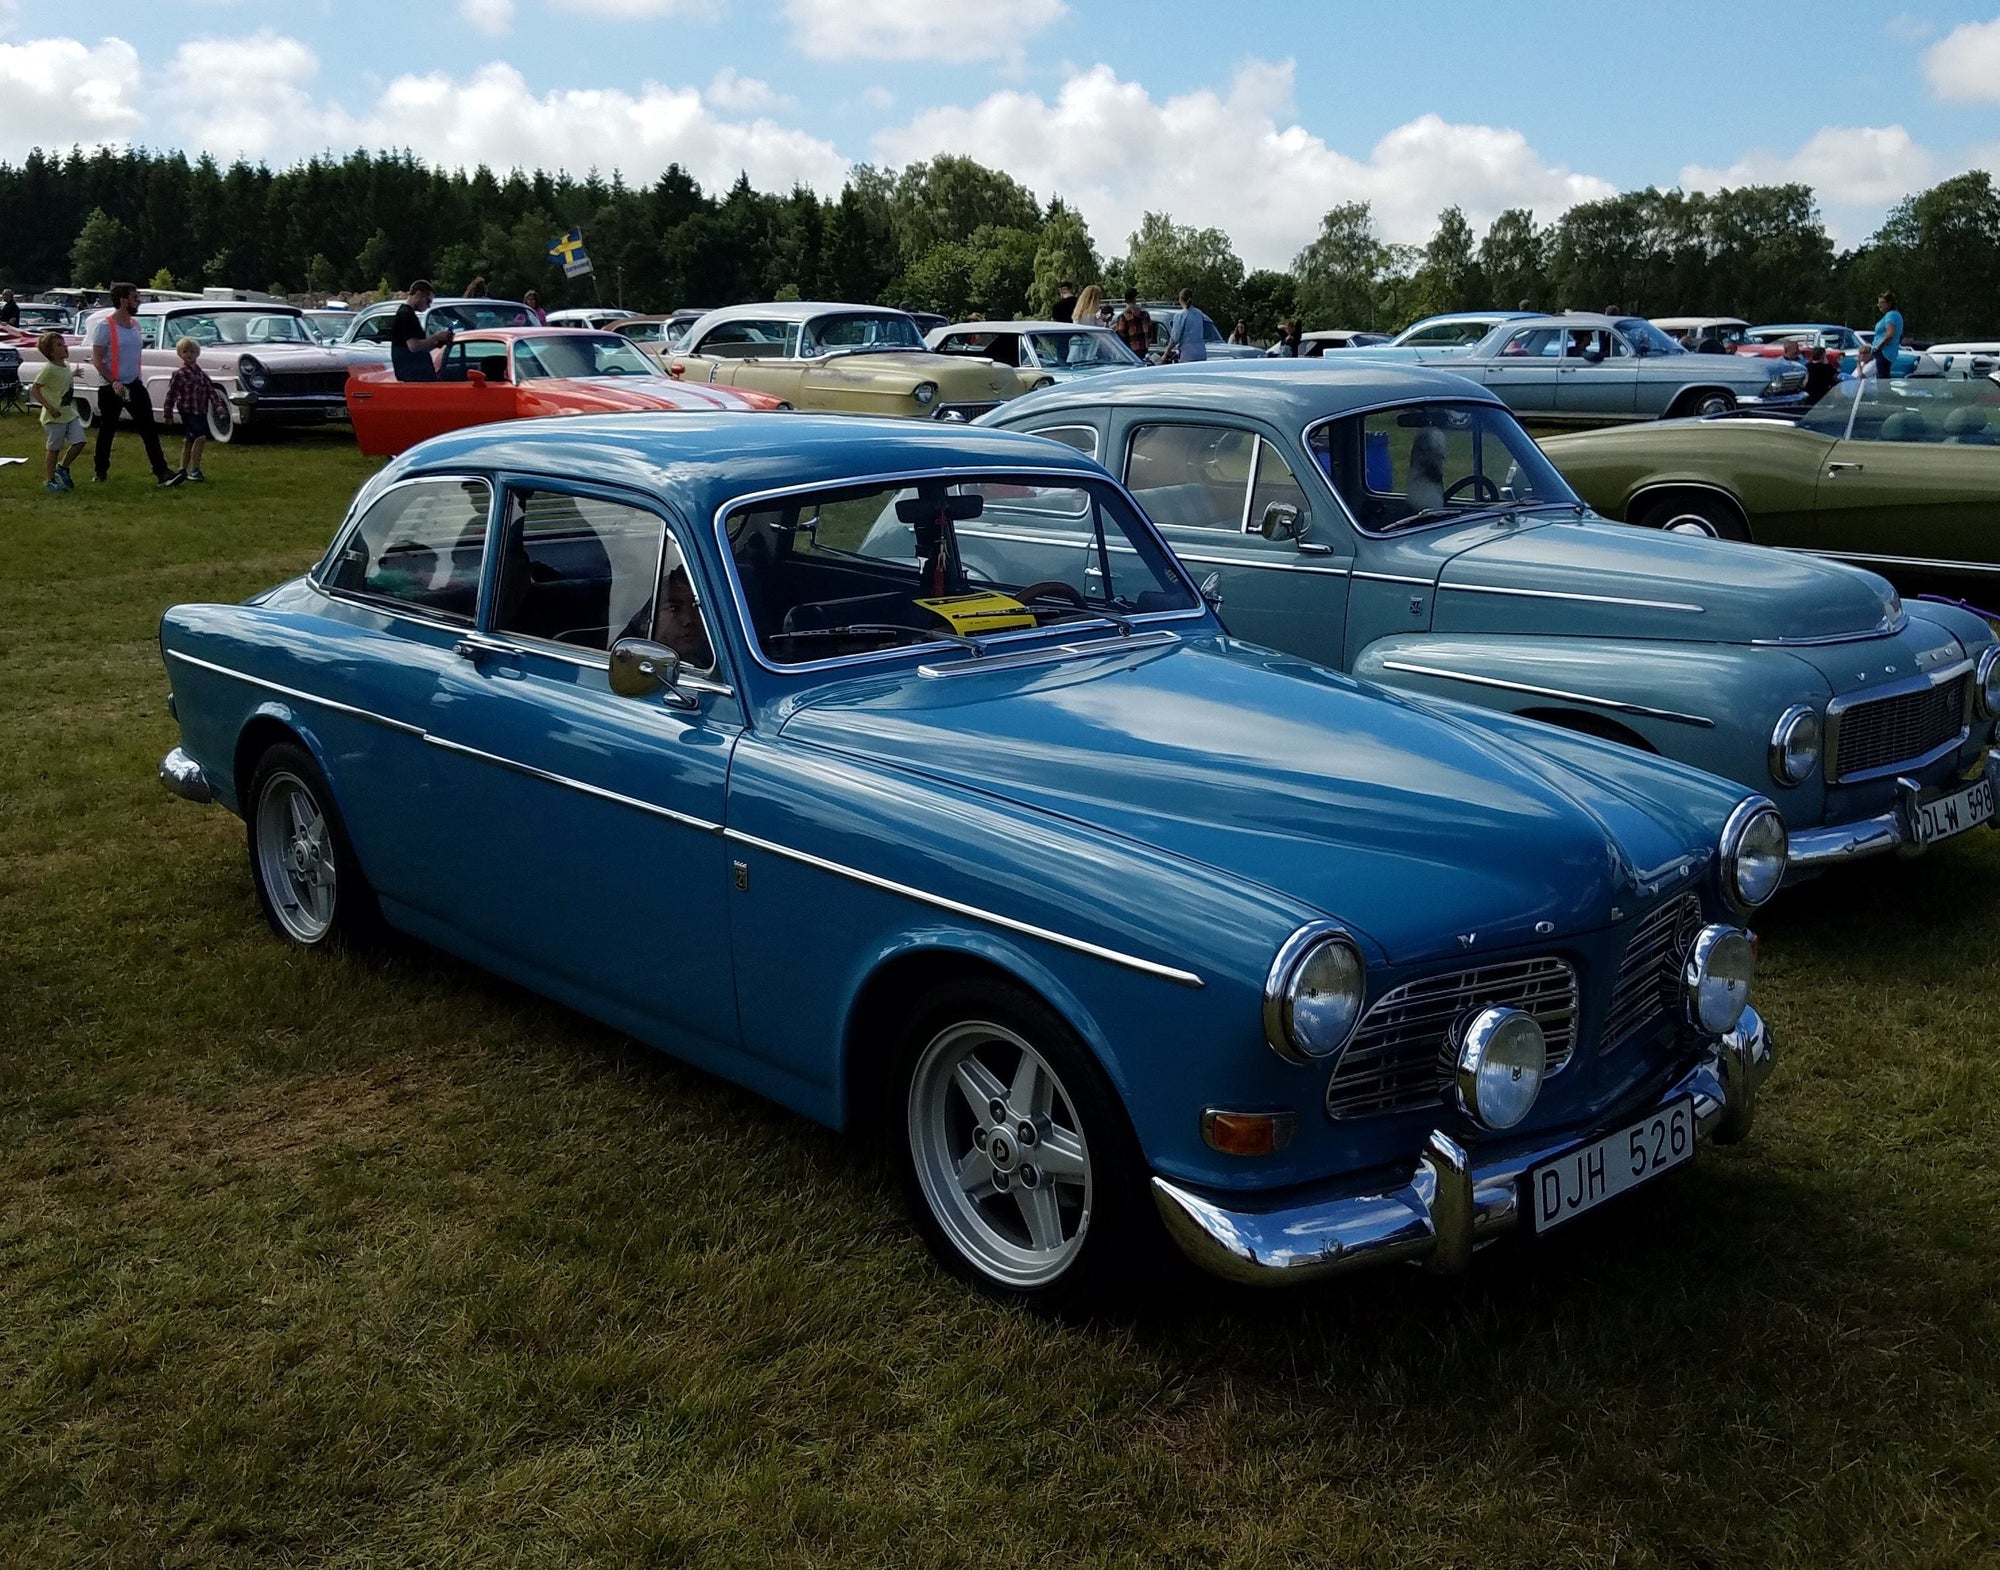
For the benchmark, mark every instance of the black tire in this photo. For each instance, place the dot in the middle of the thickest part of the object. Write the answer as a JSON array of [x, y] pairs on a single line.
[[1105, 1224], [1693, 512], [308, 879]]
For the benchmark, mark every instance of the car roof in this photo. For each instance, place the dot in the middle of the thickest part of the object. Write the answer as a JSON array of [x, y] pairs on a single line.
[[208, 307], [1018, 327], [1697, 321], [1471, 316], [801, 310], [1283, 391], [700, 461], [509, 334]]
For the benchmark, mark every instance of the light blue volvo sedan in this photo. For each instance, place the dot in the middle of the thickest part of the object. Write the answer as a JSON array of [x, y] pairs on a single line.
[[998, 846]]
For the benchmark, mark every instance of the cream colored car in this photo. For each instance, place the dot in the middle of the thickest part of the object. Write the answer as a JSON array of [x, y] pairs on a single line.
[[841, 359]]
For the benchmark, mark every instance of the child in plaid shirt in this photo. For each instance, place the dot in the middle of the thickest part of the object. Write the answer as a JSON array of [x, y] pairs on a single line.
[[193, 393]]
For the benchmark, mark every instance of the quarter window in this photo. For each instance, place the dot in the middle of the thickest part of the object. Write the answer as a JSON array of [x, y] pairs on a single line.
[[1191, 476], [1082, 437], [422, 545]]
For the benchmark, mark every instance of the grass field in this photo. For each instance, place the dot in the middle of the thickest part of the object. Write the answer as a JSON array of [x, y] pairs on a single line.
[[380, 1261]]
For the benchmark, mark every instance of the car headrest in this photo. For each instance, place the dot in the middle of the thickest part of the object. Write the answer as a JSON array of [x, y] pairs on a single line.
[[1966, 420], [1905, 425]]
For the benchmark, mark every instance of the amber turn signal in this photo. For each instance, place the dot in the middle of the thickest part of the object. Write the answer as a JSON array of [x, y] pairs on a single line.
[[1247, 1133]]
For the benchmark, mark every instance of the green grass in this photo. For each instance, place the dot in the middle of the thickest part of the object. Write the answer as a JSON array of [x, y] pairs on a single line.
[[381, 1261]]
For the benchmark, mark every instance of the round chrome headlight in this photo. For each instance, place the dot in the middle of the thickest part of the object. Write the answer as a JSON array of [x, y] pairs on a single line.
[[1795, 745], [1501, 1061], [1754, 850], [251, 372], [1986, 690], [1312, 997], [925, 393], [1717, 978]]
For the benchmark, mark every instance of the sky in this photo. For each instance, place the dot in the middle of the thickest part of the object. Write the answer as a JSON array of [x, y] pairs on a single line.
[[1253, 118]]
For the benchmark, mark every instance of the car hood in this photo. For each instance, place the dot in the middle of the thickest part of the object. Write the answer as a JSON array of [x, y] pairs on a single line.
[[1432, 836], [622, 394], [1604, 580], [286, 357]]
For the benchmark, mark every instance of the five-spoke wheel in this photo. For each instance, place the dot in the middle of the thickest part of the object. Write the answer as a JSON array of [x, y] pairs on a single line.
[[310, 888]]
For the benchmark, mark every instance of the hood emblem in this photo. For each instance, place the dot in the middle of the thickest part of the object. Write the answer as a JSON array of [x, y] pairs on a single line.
[[1544, 928], [1466, 939]]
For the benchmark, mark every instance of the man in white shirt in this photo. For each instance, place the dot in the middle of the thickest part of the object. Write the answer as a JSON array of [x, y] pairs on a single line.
[[115, 350]]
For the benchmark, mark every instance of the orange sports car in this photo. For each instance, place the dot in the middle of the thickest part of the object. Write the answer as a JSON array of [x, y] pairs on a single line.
[[517, 373]]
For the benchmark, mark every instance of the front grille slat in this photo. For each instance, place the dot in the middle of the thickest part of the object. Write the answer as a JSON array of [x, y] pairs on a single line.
[[1883, 732], [1650, 971], [302, 384], [1404, 1053]]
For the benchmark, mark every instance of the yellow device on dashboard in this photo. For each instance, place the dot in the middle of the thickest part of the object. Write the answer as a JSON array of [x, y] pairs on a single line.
[[969, 613]]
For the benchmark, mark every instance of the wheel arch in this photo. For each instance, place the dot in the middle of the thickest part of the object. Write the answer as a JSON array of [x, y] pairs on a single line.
[[1654, 491], [1683, 401], [268, 725], [902, 975]]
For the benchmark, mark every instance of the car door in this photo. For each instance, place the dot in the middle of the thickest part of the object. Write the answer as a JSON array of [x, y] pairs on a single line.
[[1597, 377], [1208, 484], [1524, 373], [1913, 479], [586, 840]]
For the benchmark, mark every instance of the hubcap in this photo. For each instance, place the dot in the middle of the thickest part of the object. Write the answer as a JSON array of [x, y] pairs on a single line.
[[295, 860], [1690, 523], [999, 1153]]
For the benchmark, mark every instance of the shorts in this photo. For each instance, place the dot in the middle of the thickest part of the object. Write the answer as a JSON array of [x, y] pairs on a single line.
[[58, 434]]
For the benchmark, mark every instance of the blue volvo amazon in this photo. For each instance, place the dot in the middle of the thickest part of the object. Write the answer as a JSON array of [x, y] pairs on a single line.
[[995, 844]]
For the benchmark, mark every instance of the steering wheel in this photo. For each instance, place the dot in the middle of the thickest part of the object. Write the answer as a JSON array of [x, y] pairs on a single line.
[[1053, 589], [1483, 488]]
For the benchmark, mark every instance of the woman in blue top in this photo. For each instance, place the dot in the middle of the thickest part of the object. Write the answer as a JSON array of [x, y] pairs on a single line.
[[1888, 334]]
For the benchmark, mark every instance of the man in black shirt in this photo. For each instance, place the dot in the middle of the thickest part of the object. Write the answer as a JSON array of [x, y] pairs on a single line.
[[1065, 305], [1821, 374], [409, 345], [10, 313]]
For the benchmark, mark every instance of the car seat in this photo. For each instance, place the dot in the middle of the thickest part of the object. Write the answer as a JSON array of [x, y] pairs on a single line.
[[1906, 425], [1966, 427]]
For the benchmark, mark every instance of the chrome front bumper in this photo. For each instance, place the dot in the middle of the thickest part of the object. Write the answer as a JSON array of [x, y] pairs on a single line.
[[184, 778], [1813, 850], [1452, 1204]]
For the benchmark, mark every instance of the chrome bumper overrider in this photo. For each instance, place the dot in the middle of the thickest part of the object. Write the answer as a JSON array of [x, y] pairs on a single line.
[[184, 777], [1813, 849], [1452, 1202]]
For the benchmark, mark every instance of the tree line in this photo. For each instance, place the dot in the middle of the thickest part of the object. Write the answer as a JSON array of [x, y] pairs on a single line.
[[953, 236]]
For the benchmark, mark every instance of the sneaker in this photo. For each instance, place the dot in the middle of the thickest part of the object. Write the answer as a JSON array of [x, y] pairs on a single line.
[[170, 478], [99, 477], [54, 485], [63, 474], [196, 477]]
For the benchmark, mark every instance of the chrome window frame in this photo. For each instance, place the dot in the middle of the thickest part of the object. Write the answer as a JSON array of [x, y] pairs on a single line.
[[1073, 425], [1209, 424], [351, 525], [957, 474]]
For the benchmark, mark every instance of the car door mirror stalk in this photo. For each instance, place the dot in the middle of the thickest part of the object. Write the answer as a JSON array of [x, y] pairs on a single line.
[[640, 668]]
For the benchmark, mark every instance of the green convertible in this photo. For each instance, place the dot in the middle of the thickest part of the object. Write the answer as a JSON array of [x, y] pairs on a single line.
[[1905, 478]]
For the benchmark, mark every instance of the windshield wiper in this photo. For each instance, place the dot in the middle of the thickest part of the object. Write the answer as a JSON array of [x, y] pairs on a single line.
[[877, 629], [1068, 612], [1464, 514]]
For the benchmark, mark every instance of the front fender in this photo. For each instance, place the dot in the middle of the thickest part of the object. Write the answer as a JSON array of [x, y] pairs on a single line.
[[1709, 705]]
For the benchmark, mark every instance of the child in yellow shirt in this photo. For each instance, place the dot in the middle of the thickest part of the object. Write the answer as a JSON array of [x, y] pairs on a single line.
[[53, 388]]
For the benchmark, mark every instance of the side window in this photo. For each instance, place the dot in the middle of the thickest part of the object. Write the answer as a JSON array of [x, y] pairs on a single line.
[[1082, 437], [374, 329], [745, 340], [1190, 476], [1276, 485], [423, 545], [587, 572]]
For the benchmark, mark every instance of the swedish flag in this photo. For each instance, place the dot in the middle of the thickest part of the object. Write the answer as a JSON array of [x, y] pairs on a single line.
[[569, 254]]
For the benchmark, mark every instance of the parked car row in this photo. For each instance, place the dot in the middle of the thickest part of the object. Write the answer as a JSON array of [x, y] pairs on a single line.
[[1256, 805]]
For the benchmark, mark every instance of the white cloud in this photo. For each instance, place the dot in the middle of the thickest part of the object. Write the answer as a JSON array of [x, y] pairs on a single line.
[[58, 91], [491, 17], [744, 94], [1964, 65], [954, 31], [1236, 161], [243, 95], [1847, 166], [643, 10]]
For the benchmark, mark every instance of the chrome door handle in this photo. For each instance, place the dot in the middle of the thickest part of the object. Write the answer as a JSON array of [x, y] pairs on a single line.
[[1314, 548], [472, 646], [1841, 468]]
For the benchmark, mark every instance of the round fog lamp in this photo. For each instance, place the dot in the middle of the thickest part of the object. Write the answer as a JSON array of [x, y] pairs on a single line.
[[1754, 850], [1795, 745], [1501, 1061], [1717, 979], [1986, 691]]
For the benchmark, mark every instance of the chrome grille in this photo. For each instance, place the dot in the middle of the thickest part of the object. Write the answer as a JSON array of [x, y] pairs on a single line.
[[1406, 1050], [1649, 975], [1887, 731]]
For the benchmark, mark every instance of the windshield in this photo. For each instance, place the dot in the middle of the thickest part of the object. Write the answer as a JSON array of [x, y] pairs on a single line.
[[463, 314], [1435, 334], [1425, 461], [1081, 350], [861, 568], [579, 354], [1647, 338], [887, 330], [1930, 411], [213, 327]]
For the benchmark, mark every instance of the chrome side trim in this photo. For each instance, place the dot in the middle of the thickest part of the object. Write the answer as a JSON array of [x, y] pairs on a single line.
[[1394, 577], [515, 766], [1615, 704], [1185, 978], [402, 726], [1265, 566], [1560, 594], [1900, 561]]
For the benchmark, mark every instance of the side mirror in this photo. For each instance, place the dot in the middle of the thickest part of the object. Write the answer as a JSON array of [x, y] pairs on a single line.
[[1211, 590], [475, 378], [640, 668], [1282, 521]]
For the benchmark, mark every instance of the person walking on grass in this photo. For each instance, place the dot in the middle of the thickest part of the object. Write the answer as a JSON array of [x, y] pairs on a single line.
[[192, 394], [54, 392], [114, 350]]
